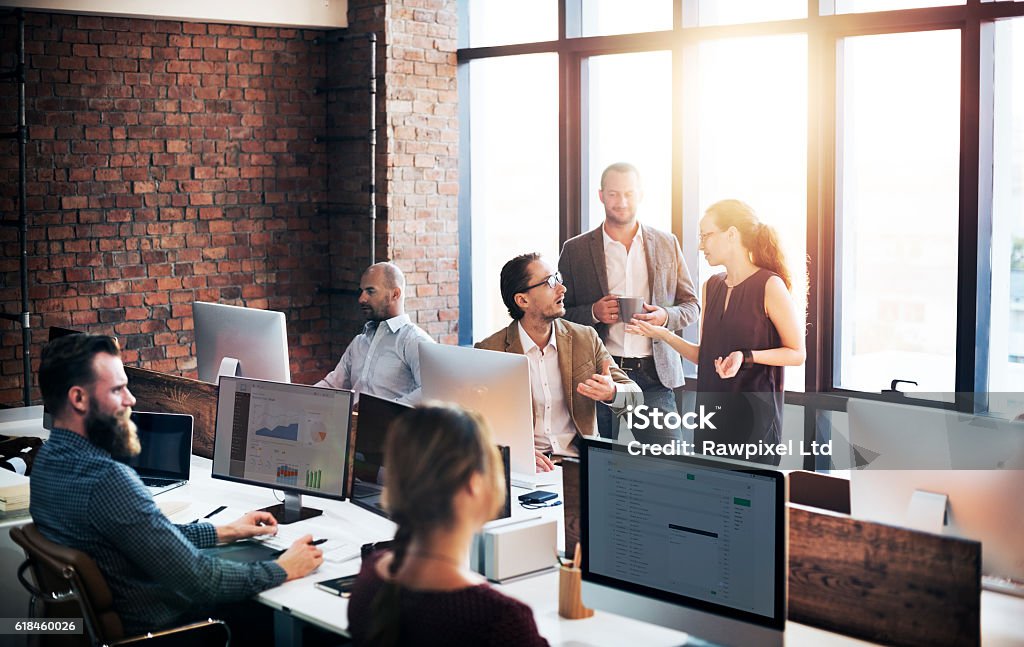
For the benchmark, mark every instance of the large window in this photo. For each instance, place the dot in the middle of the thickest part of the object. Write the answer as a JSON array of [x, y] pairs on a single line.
[[604, 17], [897, 211], [500, 23], [1006, 345], [629, 109], [513, 138], [751, 135], [731, 12], [884, 139]]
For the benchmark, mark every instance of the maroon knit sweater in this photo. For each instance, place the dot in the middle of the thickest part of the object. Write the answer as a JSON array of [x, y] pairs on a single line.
[[475, 615]]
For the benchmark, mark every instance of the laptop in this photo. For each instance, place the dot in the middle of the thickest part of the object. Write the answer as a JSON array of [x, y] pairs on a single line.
[[166, 440], [367, 454]]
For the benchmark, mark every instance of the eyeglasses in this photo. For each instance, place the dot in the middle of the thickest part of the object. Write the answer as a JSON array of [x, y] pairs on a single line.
[[552, 281], [702, 238]]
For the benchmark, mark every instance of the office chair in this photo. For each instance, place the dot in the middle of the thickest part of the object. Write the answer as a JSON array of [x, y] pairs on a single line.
[[70, 585]]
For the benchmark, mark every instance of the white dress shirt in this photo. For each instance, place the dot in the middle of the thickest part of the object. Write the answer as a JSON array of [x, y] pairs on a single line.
[[553, 428], [627, 277], [383, 360]]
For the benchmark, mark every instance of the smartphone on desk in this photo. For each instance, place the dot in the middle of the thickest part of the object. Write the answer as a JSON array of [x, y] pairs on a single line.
[[340, 586], [536, 497]]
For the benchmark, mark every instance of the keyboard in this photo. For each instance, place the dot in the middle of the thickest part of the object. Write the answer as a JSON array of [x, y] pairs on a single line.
[[159, 485], [533, 481], [1002, 585]]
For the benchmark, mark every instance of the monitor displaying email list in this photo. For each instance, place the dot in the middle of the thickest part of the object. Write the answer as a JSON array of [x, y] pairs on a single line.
[[688, 528]]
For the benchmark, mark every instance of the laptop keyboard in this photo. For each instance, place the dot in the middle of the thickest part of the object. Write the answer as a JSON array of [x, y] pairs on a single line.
[[150, 481]]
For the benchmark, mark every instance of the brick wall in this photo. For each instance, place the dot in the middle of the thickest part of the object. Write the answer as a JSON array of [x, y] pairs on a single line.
[[417, 159], [171, 162], [168, 162], [423, 135]]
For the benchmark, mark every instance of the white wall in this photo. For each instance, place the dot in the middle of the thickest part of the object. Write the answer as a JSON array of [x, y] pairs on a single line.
[[315, 14]]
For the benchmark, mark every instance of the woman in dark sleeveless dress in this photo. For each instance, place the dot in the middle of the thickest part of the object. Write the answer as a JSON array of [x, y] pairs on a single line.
[[749, 330]]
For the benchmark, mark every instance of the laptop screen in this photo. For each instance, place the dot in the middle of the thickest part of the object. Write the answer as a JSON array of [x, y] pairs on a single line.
[[166, 440]]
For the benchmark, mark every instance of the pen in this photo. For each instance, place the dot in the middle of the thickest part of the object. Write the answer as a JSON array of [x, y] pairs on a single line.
[[317, 542], [209, 515]]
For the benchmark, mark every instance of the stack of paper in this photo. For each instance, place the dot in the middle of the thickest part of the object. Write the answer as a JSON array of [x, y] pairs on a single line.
[[13, 491]]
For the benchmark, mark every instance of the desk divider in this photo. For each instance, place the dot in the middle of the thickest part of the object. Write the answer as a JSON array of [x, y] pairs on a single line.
[[165, 393], [883, 583], [571, 501]]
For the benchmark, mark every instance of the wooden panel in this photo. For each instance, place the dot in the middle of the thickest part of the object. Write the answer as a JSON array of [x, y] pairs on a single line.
[[350, 454], [571, 502], [883, 583], [166, 393], [819, 491]]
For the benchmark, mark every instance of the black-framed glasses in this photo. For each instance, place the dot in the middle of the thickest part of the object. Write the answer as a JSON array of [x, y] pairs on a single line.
[[552, 281]]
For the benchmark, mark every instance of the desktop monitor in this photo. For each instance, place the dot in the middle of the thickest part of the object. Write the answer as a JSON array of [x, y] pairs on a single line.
[[287, 437], [231, 340], [496, 385], [912, 476], [57, 331], [689, 543], [367, 456]]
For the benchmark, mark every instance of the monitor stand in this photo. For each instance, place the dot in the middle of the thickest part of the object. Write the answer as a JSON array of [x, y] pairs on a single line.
[[229, 366], [927, 511], [291, 510]]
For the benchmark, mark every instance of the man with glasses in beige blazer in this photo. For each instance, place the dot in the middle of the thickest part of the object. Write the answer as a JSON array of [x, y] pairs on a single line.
[[571, 373]]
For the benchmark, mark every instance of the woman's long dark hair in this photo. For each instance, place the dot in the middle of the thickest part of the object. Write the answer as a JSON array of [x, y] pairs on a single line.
[[431, 452]]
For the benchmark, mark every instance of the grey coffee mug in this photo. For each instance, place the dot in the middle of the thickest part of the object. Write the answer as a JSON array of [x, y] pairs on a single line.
[[629, 306]]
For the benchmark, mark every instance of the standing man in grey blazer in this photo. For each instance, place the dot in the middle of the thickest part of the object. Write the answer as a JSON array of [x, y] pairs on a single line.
[[623, 258]]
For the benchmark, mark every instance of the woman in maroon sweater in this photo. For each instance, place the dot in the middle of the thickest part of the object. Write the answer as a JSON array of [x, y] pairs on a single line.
[[444, 480]]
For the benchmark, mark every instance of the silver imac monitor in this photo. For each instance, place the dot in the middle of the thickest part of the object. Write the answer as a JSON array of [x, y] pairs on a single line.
[[497, 386], [945, 472], [231, 340], [684, 542], [286, 437]]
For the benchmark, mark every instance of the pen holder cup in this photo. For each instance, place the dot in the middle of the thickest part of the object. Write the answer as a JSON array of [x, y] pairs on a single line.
[[570, 604]]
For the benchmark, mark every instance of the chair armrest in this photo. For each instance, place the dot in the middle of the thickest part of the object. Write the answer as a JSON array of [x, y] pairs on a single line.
[[198, 634]]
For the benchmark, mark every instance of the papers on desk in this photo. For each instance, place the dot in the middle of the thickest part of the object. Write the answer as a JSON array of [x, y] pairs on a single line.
[[339, 547], [171, 508], [13, 491]]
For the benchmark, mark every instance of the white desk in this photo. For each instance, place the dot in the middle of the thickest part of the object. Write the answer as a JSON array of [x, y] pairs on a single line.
[[299, 601]]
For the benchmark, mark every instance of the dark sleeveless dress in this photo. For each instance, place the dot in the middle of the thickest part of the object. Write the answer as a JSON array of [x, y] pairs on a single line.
[[748, 406]]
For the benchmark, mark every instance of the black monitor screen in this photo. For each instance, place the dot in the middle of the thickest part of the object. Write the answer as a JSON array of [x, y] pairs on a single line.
[[166, 441], [372, 423]]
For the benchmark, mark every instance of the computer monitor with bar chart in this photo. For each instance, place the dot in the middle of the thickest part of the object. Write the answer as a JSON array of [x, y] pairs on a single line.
[[288, 437]]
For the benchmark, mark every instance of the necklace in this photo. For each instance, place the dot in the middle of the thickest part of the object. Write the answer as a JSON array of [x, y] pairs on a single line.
[[437, 557]]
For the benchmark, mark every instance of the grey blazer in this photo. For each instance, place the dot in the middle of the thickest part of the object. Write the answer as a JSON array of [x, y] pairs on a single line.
[[586, 280]]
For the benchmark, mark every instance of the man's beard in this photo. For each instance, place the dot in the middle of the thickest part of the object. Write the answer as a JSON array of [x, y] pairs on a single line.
[[115, 433]]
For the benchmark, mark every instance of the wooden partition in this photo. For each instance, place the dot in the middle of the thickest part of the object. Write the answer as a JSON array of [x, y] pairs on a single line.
[[571, 502], [164, 393], [819, 491], [883, 583]]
